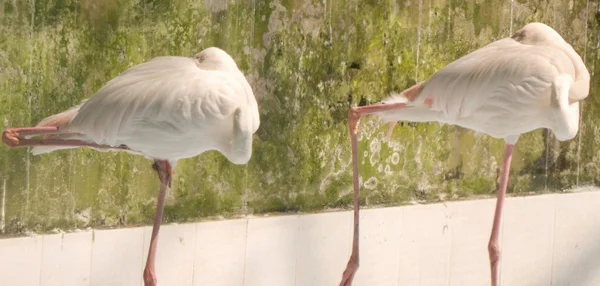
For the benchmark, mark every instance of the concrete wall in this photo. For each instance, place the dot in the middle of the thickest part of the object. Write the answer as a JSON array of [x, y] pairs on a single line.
[[547, 240]]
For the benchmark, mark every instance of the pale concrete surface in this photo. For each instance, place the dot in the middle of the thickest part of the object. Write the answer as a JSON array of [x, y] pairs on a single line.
[[66, 251], [424, 245], [547, 240], [271, 251], [527, 241], [380, 262], [220, 253], [175, 254], [322, 243], [20, 261], [470, 227], [576, 256], [117, 257]]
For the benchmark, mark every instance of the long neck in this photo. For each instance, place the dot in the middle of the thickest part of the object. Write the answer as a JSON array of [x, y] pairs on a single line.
[[581, 86]]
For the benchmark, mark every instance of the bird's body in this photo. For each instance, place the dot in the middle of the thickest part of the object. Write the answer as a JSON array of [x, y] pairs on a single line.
[[503, 89], [531, 80], [166, 109]]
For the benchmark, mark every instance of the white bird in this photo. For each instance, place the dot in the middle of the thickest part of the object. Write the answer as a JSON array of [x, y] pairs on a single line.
[[531, 80], [166, 109]]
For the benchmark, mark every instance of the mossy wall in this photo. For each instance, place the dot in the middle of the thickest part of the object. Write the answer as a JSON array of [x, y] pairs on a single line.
[[308, 62]]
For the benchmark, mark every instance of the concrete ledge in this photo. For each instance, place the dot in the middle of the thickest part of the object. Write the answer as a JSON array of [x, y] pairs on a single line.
[[547, 240]]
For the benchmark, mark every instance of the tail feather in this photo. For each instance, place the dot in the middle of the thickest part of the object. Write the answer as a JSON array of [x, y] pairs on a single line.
[[415, 111], [397, 114], [395, 97], [60, 120]]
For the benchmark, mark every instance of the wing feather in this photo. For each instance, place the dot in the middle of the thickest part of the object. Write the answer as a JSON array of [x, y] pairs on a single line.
[[167, 93], [467, 84], [503, 72]]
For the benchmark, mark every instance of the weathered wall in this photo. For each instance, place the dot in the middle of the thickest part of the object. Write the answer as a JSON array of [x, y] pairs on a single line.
[[307, 61]]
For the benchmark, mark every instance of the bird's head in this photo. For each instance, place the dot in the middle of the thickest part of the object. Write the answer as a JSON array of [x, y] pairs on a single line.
[[215, 59], [538, 34]]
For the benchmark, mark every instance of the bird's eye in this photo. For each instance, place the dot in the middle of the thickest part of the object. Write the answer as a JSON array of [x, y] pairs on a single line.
[[201, 58], [518, 36]]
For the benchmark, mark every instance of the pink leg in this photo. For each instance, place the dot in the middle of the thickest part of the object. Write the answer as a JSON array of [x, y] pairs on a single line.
[[391, 130], [163, 168], [354, 115], [494, 246], [10, 137]]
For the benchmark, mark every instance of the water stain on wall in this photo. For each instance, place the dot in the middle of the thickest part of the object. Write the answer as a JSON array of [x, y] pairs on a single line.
[[308, 62]]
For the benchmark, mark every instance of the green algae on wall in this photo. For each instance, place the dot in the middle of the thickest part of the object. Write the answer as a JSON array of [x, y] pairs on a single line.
[[308, 62]]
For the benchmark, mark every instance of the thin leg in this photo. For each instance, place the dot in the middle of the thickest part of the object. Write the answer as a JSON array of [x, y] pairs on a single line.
[[494, 246], [391, 130], [353, 262], [10, 137], [354, 115], [163, 168]]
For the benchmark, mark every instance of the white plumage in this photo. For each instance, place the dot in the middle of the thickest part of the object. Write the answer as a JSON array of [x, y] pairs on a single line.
[[169, 108], [531, 80]]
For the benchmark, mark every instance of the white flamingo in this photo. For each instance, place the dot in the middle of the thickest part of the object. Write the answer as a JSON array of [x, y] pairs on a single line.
[[166, 109], [531, 80]]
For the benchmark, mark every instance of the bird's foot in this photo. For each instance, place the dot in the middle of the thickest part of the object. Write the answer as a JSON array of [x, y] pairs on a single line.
[[149, 278], [348, 274], [10, 138]]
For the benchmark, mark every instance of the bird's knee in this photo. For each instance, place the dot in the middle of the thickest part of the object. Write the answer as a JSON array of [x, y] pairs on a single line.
[[353, 119], [494, 250], [149, 278], [356, 262], [353, 113], [353, 262]]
